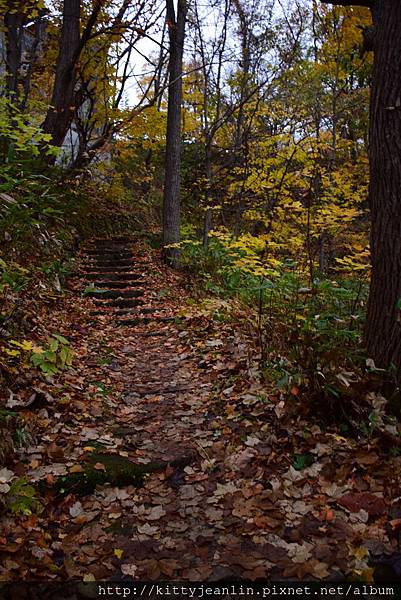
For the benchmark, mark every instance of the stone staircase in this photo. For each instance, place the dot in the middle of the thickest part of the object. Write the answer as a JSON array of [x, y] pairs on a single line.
[[117, 284]]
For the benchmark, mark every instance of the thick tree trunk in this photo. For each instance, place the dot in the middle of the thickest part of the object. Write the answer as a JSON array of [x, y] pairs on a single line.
[[171, 197], [383, 323], [383, 327], [61, 111]]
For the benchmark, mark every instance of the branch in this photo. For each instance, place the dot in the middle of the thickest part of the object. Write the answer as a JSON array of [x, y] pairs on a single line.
[[87, 30], [367, 3], [170, 13]]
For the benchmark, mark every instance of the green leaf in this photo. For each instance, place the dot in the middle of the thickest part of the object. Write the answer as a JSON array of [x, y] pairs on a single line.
[[54, 345], [21, 498], [48, 368], [301, 461], [61, 339]]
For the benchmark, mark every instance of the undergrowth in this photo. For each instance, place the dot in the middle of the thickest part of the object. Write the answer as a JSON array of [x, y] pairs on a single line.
[[45, 214], [309, 332]]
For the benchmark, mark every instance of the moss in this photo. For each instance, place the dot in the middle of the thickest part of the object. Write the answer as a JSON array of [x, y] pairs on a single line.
[[123, 431], [121, 527], [117, 471]]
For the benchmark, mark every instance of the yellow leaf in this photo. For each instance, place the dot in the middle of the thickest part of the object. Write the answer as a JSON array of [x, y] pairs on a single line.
[[118, 552], [358, 553], [24, 345], [76, 469], [367, 574], [12, 352], [27, 345], [15, 343]]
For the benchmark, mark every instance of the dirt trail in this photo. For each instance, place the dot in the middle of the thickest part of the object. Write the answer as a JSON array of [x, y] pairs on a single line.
[[172, 526], [149, 386], [158, 383]]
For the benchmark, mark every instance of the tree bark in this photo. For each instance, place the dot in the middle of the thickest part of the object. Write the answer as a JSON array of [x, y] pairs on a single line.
[[61, 111], [171, 196], [72, 43], [367, 3], [383, 323], [208, 220], [13, 22], [383, 327]]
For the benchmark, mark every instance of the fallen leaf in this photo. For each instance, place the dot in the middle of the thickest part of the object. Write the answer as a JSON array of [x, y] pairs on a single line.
[[6, 475], [99, 466], [155, 513], [147, 529], [129, 570], [355, 501], [76, 509], [252, 441], [76, 469]]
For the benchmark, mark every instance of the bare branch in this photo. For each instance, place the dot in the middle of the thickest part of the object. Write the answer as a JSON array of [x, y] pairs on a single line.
[[367, 3]]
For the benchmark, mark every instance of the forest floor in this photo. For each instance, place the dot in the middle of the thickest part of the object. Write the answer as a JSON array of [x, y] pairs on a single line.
[[240, 485]]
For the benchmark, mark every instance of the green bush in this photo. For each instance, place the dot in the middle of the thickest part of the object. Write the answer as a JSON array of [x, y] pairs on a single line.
[[308, 333], [317, 329], [13, 276], [22, 498], [54, 357]]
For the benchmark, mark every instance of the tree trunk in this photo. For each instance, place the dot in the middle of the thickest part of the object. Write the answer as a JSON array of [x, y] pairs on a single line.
[[241, 148], [383, 323], [208, 220], [13, 22], [383, 327], [61, 111], [171, 196]]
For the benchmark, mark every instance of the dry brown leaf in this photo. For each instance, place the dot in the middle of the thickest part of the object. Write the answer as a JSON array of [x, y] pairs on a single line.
[[155, 513], [355, 501]]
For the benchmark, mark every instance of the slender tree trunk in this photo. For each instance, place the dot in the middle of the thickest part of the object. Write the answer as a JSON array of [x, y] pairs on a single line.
[[208, 221], [241, 148], [171, 197], [211, 105], [61, 111], [13, 22], [40, 36], [383, 327]]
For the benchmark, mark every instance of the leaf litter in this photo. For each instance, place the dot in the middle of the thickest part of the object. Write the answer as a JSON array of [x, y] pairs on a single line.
[[267, 493]]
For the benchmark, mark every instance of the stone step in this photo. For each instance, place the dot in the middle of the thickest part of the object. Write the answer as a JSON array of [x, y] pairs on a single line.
[[106, 251], [107, 277], [117, 284], [122, 239], [124, 262], [137, 311], [120, 303], [114, 294], [142, 321], [106, 270], [109, 256]]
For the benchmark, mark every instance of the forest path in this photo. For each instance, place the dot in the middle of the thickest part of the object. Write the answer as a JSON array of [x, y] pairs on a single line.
[[229, 497], [173, 526], [153, 374]]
